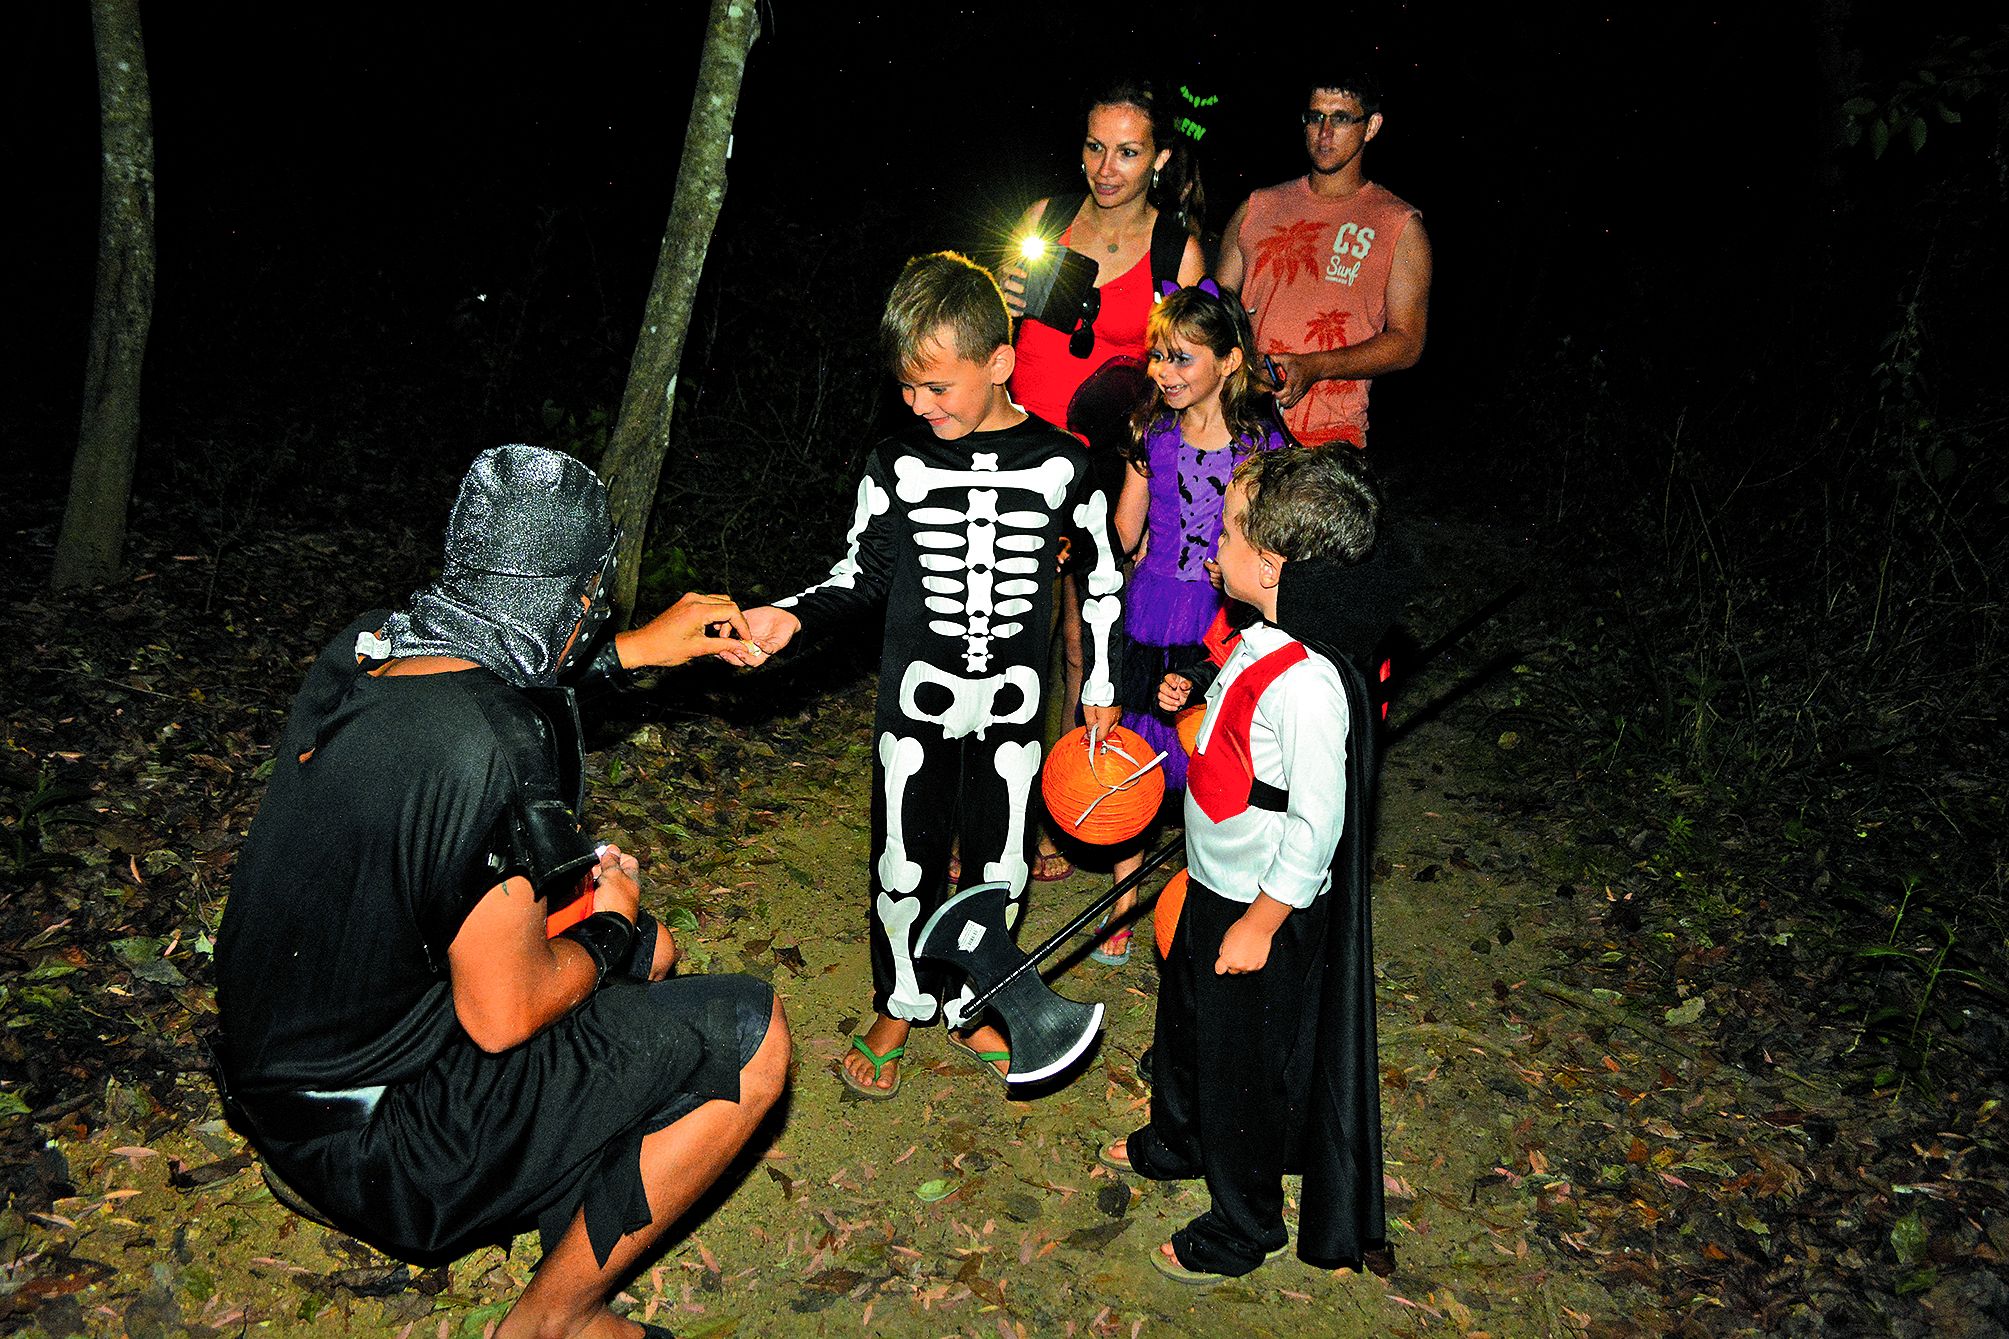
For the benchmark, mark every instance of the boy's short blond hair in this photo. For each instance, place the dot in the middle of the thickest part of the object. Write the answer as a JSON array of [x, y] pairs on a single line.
[[1309, 502], [944, 289]]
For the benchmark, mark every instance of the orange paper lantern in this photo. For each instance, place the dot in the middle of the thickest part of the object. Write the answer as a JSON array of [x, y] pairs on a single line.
[[1187, 723], [1107, 796], [1165, 916]]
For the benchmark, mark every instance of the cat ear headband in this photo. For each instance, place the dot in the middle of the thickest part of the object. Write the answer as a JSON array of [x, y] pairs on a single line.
[[1171, 286]]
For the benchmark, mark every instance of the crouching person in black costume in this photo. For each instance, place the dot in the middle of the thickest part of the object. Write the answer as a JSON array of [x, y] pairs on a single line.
[[403, 1038]]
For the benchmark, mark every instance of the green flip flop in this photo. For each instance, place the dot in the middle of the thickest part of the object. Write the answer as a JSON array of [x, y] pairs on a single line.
[[987, 1060], [871, 1091]]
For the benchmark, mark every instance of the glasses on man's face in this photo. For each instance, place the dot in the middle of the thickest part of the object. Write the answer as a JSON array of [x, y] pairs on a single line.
[[1340, 120]]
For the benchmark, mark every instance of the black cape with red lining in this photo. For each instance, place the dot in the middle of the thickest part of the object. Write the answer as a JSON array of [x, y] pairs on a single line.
[[1334, 1101]]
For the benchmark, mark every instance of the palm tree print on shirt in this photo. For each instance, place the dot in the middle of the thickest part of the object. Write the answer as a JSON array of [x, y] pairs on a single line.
[[1327, 330], [1293, 249]]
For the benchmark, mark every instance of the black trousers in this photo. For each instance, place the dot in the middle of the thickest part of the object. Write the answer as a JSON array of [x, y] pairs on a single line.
[[1224, 1051]]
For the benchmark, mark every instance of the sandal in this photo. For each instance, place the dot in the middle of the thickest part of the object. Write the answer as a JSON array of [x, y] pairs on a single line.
[[987, 1060], [872, 1091], [1115, 950], [1051, 867], [1109, 1158], [1169, 1266]]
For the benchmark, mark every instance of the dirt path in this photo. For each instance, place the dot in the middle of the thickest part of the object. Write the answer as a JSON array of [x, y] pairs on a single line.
[[1551, 1145]]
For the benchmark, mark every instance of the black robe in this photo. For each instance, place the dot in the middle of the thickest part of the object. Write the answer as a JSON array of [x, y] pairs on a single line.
[[1334, 1102]]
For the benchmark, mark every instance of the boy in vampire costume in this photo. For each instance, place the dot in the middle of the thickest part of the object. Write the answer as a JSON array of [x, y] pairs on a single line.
[[1264, 1052], [402, 1037]]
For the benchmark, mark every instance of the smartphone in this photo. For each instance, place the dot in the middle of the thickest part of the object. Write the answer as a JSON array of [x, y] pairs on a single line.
[[1276, 374]]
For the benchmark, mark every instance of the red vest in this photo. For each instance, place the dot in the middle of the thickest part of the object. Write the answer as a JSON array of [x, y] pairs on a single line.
[[1221, 773]]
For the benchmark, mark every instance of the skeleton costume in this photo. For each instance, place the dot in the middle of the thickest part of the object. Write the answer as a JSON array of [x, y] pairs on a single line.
[[396, 803], [957, 540]]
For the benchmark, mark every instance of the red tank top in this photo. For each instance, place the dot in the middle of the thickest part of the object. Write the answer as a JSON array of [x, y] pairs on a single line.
[[1048, 375]]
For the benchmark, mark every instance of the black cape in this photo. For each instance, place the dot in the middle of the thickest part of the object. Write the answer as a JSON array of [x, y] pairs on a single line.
[[1334, 1102]]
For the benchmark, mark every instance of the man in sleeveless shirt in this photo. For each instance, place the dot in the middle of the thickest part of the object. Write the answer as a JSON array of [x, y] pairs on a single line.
[[1334, 269]]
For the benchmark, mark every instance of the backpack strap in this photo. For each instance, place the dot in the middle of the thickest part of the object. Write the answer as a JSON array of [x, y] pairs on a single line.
[[1059, 215], [1168, 237], [1168, 248]]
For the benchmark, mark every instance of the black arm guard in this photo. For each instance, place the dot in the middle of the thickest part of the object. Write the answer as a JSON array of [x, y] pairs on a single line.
[[604, 672], [609, 940]]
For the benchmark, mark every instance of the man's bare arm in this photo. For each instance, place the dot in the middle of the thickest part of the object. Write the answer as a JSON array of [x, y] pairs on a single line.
[[510, 982], [682, 633], [1230, 265]]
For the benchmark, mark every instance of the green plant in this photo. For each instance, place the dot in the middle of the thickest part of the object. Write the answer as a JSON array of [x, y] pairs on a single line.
[[1916, 1015], [36, 807], [1946, 79]]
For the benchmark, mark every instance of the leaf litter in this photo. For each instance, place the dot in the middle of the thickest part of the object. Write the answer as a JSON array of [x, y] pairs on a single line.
[[1560, 1159]]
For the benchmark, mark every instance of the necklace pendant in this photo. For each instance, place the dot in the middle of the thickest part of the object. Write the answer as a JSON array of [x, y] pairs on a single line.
[[1114, 248]]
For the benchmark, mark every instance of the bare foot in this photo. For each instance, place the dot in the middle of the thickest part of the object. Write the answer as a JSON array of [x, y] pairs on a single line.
[[986, 1039], [884, 1035]]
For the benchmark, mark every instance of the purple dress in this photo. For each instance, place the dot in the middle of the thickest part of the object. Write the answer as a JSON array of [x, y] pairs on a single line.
[[1170, 602]]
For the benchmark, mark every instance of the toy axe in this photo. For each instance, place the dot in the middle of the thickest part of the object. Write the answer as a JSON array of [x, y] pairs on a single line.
[[971, 933]]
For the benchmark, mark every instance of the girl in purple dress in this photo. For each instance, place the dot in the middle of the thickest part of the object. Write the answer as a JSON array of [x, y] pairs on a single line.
[[1208, 412]]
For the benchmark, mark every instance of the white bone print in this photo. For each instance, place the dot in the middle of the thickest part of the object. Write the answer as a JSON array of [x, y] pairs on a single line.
[[872, 501], [1018, 764], [1100, 615], [907, 999], [973, 703], [901, 758]]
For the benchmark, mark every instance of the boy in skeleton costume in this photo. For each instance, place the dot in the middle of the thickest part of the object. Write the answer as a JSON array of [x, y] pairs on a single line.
[[956, 534]]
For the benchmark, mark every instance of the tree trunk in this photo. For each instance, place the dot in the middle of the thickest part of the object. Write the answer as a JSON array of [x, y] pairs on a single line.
[[634, 460], [94, 522]]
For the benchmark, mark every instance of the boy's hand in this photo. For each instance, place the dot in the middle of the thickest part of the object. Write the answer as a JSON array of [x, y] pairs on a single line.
[[768, 629], [697, 625], [1100, 721], [1244, 948], [1173, 690], [1213, 572]]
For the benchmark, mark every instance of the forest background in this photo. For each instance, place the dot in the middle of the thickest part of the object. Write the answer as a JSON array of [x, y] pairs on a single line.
[[1716, 333]]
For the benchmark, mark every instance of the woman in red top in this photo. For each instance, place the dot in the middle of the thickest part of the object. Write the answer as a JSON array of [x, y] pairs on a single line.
[[1134, 164]]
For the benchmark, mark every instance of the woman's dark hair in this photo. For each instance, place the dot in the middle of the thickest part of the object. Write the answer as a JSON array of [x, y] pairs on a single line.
[[1177, 191], [1216, 321]]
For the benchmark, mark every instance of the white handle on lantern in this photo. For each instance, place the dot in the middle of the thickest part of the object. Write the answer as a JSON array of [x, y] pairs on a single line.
[[1124, 784]]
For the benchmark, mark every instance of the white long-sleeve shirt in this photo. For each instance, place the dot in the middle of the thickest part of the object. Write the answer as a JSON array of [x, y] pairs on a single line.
[[1297, 742]]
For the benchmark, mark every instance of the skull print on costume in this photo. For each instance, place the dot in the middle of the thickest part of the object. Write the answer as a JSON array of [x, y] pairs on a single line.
[[959, 539]]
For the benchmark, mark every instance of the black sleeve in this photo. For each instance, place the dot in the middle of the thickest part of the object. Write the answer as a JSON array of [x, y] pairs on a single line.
[[858, 582]]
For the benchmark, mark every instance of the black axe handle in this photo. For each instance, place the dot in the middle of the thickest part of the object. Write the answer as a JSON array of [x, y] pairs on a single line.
[[1073, 927]]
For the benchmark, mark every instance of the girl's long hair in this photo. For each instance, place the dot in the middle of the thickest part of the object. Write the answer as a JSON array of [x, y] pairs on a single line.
[[1178, 191], [1216, 321]]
